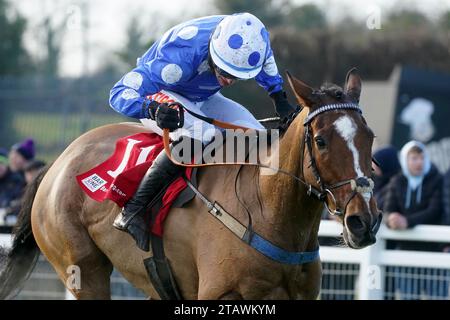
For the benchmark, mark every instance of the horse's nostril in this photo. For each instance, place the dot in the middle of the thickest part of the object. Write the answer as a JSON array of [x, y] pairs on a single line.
[[377, 223], [355, 224]]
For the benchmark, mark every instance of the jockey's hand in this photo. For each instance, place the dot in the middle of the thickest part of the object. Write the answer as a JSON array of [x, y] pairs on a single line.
[[165, 116], [282, 106]]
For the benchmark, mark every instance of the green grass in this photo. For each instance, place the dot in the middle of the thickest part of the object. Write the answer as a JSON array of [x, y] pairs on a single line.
[[53, 132]]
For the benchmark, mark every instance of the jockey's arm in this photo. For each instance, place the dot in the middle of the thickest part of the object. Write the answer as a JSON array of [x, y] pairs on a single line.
[[269, 78], [129, 93], [272, 82]]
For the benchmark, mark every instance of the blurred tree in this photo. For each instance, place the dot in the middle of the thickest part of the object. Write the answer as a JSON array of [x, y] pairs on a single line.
[[135, 45], [307, 16], [53, 41], [268, 11], [444, 21], [406, 19], [13, 56], [14, 61]]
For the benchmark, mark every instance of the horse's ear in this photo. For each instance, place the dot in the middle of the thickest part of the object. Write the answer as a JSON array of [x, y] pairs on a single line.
[[302, 91], [353, 85]]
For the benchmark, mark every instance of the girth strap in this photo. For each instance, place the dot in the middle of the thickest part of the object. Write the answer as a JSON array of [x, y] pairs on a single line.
[[158, 267], [160, 272], [252, 238]]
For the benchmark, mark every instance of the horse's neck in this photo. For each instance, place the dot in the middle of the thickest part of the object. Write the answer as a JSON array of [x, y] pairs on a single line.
[[289, 207]]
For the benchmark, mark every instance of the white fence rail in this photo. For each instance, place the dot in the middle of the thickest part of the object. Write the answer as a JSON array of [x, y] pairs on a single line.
[[370, 273], [407, 268]]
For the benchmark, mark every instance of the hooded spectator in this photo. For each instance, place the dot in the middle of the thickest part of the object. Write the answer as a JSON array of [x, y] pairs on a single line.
[[415, 194], [415, 197]]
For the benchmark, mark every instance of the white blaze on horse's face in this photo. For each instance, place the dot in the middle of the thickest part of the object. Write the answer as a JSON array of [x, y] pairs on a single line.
[[347, 128]]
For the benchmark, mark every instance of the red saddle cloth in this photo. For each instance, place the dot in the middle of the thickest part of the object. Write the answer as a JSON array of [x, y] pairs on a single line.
[[118, 178]]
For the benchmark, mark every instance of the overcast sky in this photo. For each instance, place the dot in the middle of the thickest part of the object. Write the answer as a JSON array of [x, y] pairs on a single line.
[[108, 20]]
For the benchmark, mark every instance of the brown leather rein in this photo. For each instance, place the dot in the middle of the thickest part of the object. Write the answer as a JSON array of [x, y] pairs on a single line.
[[358, 185], [218, 123]]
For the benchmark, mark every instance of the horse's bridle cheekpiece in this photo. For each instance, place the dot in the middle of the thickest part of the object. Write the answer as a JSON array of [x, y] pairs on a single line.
[[361, 185]]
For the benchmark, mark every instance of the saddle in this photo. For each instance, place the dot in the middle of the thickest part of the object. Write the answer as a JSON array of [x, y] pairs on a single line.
[[117, 179]]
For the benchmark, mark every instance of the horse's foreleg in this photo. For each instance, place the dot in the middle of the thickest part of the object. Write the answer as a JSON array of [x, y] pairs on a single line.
[[310, 281]]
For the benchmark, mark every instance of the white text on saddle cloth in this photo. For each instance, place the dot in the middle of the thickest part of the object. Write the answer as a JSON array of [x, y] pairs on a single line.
[[143, 154], [117, 178]]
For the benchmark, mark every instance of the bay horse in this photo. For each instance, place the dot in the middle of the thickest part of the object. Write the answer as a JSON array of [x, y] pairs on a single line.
[[327, 146]]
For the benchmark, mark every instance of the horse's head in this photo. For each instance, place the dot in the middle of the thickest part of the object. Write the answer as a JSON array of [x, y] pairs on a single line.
[[337, 155]]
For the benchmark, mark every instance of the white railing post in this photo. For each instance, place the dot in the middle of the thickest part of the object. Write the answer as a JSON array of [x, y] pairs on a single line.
[[371, 272], [68, 295]]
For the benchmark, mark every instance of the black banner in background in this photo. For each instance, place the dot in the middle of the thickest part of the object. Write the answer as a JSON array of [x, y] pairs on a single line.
[[422, 113]]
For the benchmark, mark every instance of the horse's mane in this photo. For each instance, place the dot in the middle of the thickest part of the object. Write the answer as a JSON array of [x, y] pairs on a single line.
[[330, 89]]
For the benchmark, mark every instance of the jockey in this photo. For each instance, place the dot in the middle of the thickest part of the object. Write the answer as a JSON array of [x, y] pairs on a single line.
[[191, 63]]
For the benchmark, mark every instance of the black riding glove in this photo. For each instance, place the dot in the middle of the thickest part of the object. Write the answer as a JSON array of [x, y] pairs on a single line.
[[282, 106], [165, 117]]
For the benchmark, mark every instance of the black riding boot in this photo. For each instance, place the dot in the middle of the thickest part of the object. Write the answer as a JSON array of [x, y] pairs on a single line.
[[131, 218]]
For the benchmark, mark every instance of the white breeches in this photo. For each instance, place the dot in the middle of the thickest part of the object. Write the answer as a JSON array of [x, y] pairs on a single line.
[[217, 107]]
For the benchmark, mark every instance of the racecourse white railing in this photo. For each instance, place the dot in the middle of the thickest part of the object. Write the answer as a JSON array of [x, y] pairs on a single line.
[[369, 273], [374, 259]]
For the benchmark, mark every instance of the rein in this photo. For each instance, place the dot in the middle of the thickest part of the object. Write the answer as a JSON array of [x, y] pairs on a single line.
[[360, 185]]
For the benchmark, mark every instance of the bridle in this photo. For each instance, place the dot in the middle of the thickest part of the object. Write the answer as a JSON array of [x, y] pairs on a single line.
[[362, 185]]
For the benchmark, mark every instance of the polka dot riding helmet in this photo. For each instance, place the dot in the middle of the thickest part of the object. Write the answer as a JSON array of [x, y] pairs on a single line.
[[239, 45]]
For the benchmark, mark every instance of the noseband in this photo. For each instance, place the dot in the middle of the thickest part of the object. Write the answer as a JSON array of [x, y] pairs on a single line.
[[361, 185]]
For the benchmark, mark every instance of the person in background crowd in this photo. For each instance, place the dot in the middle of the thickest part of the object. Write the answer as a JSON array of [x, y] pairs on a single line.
[[11, 186], [446, 203], [32, 169], [414, 197], [21, 154], [387, 158], [446, 198]]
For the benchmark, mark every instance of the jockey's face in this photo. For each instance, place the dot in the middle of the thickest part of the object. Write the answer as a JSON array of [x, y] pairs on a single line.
[[225, 79], [224, 82]]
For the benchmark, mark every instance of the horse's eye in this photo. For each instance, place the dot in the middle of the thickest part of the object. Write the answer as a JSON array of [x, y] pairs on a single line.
[[320, 142]]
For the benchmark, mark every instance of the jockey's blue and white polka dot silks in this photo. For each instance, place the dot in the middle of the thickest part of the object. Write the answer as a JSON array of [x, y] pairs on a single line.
[[178, 62]]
